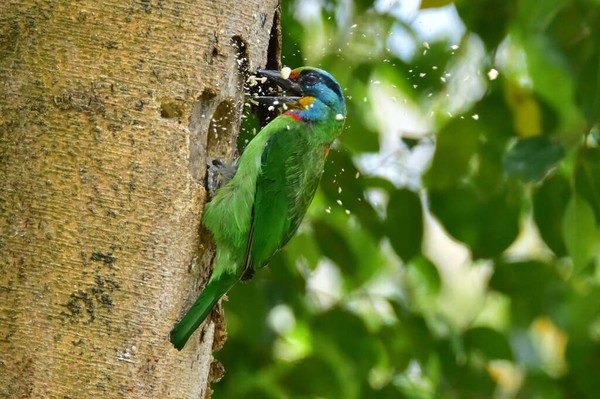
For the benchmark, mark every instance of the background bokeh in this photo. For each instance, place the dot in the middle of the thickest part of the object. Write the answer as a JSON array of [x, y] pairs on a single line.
[[452, 250]]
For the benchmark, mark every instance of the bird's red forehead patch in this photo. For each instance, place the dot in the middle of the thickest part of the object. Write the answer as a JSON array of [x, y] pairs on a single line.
[[294, 74]]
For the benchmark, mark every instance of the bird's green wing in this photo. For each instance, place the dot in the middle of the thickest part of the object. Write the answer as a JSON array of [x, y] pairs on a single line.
[[290, 172]]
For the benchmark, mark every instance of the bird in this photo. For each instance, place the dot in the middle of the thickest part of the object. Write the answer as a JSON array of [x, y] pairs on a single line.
[[254, 214]]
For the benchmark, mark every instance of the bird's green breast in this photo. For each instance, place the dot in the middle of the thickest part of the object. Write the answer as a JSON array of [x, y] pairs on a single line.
[[260, 208], [292, 165]]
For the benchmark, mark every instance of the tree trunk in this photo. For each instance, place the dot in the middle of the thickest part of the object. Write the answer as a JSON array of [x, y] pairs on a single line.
[[108, 113]]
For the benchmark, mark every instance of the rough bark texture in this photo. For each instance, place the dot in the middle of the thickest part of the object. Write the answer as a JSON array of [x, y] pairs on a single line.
[[108, 112]]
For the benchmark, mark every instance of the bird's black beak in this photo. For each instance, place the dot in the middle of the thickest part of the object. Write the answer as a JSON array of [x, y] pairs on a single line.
[[275, 77], [292, 90]]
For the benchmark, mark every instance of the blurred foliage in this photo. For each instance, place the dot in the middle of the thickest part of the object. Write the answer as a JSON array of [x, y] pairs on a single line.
[[453, 249]]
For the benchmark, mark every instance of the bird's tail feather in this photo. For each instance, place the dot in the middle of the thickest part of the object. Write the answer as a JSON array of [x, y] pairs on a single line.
[[213, 291]]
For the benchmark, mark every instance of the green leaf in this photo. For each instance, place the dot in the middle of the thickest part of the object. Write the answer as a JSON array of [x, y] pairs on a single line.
[[343, 183], [494, 113], [489, 177], [540, 385], [498, 223], [455, 146], [351, 247], [334, 245], [547, 67], [409, 339], [303, 246], [434, 3], [489, 342], [587, 177], [487, 224], [535, 16], [532, 158], [527, 116], [583, 351], [579, 229], [360, 131], [357, 136], [362, 5], [344, 329], [464, 375], [425, 282], [489, 21], [404, 223], [323, 376], [534, 288], [549, 203], [458, 211], [588, 80], [425, 73]]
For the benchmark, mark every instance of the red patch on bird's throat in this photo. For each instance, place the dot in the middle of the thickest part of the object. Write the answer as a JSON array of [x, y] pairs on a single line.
[[294, 115], [326, 149]]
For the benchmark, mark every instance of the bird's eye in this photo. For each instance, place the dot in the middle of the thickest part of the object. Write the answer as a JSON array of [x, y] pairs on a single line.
[[310, 80]]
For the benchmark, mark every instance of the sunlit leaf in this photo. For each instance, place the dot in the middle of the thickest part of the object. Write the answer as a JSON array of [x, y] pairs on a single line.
[[527, 116], [579, 229]]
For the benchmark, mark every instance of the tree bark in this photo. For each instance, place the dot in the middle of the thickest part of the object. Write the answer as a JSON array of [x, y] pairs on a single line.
[[108, 113]]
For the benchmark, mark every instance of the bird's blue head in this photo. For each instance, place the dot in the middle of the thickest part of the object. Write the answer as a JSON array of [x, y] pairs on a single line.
[[312, 94]]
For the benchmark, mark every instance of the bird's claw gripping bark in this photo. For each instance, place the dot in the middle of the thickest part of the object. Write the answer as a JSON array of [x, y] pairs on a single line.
[[218, 174], [247, 274]]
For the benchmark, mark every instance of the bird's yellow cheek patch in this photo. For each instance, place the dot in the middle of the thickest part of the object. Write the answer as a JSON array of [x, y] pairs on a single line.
[[306, 101]]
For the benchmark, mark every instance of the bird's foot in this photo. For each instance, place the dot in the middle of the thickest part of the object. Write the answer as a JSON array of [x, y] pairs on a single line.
[[248, 274], [218, 174]]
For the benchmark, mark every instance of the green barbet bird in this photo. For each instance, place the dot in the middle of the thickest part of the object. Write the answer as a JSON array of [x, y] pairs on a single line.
[[256, 213]]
